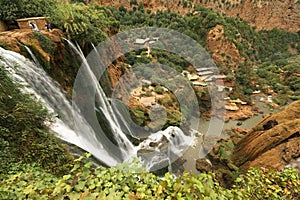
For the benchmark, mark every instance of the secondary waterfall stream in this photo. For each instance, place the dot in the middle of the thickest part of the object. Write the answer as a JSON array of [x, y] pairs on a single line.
[[35, 80]]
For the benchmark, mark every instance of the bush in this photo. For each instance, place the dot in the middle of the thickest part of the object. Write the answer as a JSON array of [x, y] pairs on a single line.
[[159, 90], [132, 181], [14, 9], [24, 135], [45, 42], [82, 23], [269, 184]]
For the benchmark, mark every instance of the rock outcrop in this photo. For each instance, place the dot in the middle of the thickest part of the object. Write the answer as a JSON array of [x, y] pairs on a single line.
[[14, 40], [243, 113], [274, 142], [264, 15], [50, 50], [221, 48]]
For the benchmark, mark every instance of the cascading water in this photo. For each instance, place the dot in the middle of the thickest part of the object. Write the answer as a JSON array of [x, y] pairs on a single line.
[[124, 146], [85, 136], [35, 60], [38, 82]]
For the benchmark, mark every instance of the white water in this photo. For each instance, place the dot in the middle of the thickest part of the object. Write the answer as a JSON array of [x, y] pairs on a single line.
[[84, 136], [49, 92], [125, 146]]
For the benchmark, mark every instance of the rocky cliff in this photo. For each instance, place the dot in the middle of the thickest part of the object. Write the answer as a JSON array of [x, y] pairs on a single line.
[[222, 50], [263, 14], [50, 50], [274, 142]]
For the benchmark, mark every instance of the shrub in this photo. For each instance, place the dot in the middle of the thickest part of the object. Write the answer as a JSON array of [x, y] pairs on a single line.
[[159, 90], [24, 135], [14, 9], [45, 42], [269, 184], [132, 181]]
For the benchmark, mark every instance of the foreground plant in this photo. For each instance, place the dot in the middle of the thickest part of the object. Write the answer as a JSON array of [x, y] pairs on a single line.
[[132, 181]]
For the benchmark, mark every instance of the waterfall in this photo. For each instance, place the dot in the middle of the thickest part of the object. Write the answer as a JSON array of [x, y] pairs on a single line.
[[32, 56], [54, 98], [71, 126], [124, 146]]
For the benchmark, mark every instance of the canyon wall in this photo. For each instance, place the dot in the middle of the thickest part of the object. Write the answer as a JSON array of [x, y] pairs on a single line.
[[263, 14]]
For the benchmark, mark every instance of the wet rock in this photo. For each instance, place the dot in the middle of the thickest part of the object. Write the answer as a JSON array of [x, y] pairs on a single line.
[[239, 123], [162, 148], [243, 113], [238, 131], [295, 164], [209, 142], [203, 165]]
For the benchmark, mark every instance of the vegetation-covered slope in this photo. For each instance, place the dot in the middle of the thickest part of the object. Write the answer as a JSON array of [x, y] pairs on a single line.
[[25, 138], [254, 49], [261, 14], [29, 152]]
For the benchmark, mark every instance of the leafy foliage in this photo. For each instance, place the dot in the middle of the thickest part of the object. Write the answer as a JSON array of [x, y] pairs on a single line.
[[9, 9], [14, 9], [283, 77], [30, 155], [24, 136], [131, 181], [269, 184], [255, 47], [82, 23], [45, 42], [31, 182]]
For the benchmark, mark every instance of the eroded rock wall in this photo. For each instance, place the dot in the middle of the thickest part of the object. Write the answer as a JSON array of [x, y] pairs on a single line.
[[274, 142], [263, 14]]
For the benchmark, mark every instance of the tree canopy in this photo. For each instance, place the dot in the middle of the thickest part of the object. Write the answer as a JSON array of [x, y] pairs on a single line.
[[14, 9]]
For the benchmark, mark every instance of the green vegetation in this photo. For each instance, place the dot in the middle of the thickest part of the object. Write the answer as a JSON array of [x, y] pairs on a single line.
[[283, 77], [25, 139], [140, 117], [35, 165], [255, 47], [41, 59], [268, 184], [45, 42], [15, 9], [159, 89], [82, 23], [131, 181]]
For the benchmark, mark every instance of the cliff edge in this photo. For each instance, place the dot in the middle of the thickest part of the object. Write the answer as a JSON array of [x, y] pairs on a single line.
[[274, 142]]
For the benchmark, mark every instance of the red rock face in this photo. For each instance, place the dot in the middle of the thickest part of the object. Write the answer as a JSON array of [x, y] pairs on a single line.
[[63, 73], [282, 14], [263, 14], [274, 142], [220, 47]]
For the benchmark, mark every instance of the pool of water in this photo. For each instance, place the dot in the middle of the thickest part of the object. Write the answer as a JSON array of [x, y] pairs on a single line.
[[195, 151]]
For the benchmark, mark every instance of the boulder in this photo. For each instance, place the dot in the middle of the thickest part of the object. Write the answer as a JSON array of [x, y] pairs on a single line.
[[274, 142]]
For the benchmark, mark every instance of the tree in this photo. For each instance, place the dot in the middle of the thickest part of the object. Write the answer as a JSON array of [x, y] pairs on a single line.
[[14, 9], [141, 7], [9, 9], [133, 2], [82, 23]]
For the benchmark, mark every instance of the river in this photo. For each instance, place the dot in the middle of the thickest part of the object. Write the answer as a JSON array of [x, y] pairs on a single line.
[[194, 152]]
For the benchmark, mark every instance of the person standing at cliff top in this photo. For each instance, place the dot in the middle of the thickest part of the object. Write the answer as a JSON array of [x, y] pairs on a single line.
[[34, 27], [48, 26]]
